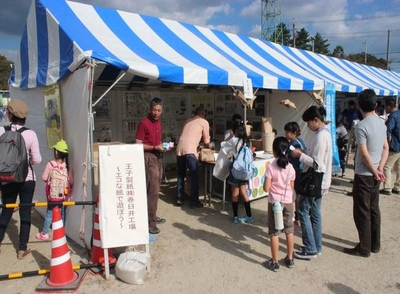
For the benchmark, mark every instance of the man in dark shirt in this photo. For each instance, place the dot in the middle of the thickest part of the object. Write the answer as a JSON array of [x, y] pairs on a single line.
[[149, 133], [351, 114], [393, 136]]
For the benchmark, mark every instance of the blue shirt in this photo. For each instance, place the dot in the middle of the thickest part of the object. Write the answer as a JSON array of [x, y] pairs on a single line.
[[393, 131], [352, 114]]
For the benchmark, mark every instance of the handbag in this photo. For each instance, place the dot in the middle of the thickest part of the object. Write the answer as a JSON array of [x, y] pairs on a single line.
[[311, 182], [222, 166], [206, 155]]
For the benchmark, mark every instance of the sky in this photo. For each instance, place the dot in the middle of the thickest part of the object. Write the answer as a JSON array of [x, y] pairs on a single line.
[[357, 25]]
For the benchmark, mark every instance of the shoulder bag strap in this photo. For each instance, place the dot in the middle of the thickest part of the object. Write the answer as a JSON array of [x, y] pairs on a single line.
[[52, 167], [20, 130], [240, 149], [286, 186]]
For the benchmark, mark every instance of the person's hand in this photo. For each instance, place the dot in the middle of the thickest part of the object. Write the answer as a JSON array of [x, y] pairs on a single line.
[[296, 152], [380, 176], [159, 148]]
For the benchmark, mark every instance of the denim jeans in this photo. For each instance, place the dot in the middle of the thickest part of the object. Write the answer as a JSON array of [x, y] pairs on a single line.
[[188, 161], [48, 220], [9, 193], [309, 211]]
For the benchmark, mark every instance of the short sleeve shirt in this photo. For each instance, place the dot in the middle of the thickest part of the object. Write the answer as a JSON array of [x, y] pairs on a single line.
[[280, 181], [371, 131], [149, 131]]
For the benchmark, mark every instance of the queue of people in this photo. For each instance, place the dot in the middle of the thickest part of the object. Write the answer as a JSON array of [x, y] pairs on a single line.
[[283, 178]]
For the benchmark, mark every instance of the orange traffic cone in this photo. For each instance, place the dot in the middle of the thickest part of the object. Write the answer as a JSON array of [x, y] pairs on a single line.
[[97, 250], [61, 272]]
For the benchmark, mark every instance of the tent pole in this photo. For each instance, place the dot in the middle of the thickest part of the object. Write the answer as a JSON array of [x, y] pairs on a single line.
[[91, 124], [109, 89]]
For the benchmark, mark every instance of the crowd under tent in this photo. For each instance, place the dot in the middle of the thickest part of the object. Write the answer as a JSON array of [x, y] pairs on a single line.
[[104, 62]]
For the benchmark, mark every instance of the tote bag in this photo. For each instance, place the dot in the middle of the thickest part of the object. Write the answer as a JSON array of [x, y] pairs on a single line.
[[311, 182], [221, 168]]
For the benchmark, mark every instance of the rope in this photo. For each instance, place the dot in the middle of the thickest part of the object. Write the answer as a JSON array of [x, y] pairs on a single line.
[[82, 227]]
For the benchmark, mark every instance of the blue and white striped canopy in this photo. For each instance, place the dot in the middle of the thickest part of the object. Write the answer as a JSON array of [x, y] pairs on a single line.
[[60, 35], [348, 76]]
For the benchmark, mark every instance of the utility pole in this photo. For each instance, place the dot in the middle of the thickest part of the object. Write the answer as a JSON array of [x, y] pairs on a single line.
[[312, 44], [365, 58], [388, 51], [294, 34]]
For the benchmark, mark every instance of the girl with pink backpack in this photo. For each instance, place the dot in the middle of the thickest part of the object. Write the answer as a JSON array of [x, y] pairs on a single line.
[[59, 180]]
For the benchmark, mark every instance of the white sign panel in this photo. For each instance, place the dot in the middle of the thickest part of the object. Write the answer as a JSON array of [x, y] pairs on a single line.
[[123, 199], [248, 89]]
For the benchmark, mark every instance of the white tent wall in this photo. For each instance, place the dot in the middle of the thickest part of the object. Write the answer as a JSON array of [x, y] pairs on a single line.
[[75, 119], [74, 93]]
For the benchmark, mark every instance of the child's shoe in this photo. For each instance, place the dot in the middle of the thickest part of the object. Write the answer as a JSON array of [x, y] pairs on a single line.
[[42, 237], [246, 219], [271, 265], [235, 220], [289, 262]]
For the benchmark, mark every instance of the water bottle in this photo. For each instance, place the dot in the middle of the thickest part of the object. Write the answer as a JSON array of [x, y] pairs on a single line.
[[278, 215]]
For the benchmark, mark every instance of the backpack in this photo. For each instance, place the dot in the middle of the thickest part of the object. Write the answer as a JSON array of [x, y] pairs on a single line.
[[14, 162], [58, 184], [243, 166]]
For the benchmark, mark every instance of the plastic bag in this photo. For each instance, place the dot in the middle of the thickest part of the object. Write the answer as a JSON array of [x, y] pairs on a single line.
[[222, 166]]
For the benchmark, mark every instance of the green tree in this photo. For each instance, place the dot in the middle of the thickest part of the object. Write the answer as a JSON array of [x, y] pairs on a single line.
[[5, 70], [321, 45], [338, 52], [303, 39], [371, 60], [281, 35]]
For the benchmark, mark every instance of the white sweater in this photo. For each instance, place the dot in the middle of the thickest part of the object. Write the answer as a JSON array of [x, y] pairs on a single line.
[[320, 150]]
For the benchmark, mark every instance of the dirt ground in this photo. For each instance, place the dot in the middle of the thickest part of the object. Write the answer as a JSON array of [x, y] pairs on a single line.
[[201, 251]]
